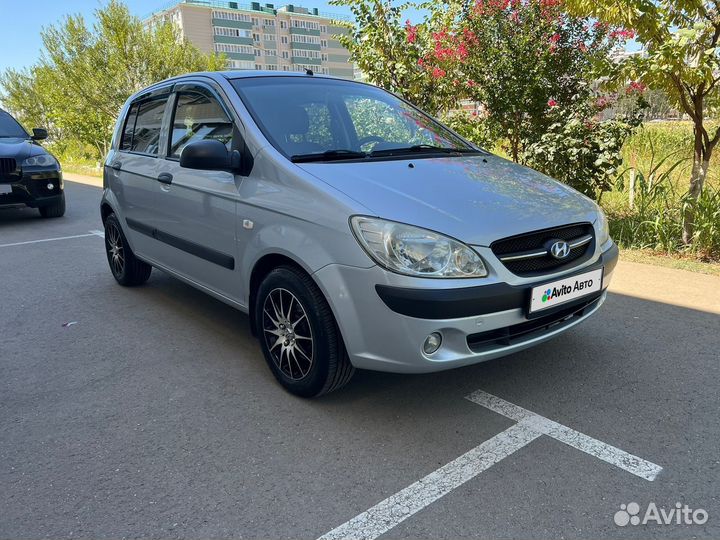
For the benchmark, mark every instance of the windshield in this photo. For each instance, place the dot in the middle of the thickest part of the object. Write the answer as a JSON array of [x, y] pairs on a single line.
[[10, 128], [318, 119]]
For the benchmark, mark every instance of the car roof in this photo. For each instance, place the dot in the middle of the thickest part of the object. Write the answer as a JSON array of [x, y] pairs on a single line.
[[239, 74]]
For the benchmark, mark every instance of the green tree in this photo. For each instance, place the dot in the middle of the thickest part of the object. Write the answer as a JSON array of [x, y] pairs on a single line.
[[389, 52], [521, 59], [86, 73], [681, 57]]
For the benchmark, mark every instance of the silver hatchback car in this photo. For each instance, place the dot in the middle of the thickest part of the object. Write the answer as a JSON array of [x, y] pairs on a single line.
[[355, 230]]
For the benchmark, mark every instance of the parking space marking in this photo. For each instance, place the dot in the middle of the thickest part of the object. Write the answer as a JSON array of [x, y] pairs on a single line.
[[608, 453], [101, 234], [397, 508], [47, 240]]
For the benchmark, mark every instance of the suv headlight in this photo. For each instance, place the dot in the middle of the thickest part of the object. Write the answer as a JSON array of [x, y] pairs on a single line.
[[42, 160], [414, 251], [603, 227]]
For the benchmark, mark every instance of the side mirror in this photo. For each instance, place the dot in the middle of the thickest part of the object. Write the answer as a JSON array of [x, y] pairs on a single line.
[[209, 155], [39, 134]]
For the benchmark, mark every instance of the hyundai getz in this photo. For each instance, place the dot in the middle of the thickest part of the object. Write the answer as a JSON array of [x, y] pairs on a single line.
[[354, 229]]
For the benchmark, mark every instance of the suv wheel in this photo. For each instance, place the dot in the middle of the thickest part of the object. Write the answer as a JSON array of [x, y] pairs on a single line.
[[54, 210], [298, 334], [127, 269]]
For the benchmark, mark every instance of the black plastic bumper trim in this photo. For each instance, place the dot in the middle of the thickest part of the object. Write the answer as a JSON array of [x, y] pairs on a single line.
[[472, 301], [209, 254]]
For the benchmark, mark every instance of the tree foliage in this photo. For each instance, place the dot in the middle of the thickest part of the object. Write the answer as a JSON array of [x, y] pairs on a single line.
[[520, 58], [681, 57], [86, 73], [379, 44]]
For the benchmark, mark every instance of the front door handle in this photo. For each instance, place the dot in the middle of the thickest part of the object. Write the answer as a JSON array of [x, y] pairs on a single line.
[[116, 165], [165, 178]]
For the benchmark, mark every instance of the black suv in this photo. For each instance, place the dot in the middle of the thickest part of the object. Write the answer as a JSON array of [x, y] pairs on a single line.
[[29, 174]]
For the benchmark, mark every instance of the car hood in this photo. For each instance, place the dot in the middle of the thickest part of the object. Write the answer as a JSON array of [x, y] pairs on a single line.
[[19, 148], [476, 199]]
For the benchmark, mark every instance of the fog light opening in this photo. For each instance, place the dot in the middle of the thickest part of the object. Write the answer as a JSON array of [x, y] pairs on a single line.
[[432, 343], [51, 186]]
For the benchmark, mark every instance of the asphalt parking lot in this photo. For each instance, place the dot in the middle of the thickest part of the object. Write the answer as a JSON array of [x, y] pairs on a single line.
[[154, 415]]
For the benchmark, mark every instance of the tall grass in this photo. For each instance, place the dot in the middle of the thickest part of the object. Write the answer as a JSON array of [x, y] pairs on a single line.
[[656, 220]]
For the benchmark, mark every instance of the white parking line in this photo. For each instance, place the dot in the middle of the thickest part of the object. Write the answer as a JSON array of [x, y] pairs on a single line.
[[632, 464], [47, 240], [397, 508], [101, 234]]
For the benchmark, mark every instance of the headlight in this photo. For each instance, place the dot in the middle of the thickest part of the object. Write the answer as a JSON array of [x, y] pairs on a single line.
[[414, 251], [42, 160], [603, 227]]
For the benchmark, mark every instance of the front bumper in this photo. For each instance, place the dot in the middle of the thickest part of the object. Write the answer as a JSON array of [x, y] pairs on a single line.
[[384, 320], [31, 188]]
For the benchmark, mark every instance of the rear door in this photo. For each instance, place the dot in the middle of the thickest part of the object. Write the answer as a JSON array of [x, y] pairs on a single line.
[[196, 212], [134, 169]]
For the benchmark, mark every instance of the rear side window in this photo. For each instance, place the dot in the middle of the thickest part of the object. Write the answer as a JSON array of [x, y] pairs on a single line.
[[142, 127], [197, 117]]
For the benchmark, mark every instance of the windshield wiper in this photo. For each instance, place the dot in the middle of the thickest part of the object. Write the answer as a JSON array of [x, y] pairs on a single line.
[[329, 155], [419, 148]]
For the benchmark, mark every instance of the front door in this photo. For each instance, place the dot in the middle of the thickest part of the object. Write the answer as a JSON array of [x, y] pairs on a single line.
[[196, 212]]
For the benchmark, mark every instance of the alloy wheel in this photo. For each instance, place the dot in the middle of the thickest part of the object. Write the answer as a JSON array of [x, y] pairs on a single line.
[[115, 250], [287, 333]]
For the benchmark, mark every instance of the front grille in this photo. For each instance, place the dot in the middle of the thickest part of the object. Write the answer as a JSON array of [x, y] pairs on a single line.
[[517, 333], [7, 167], [534, 246]]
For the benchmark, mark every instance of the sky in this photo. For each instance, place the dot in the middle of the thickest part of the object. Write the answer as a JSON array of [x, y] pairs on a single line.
[[22, 21]]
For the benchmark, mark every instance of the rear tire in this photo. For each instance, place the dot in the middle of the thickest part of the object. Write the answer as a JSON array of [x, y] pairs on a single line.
[[127, 269], [55, 210], [299, 336]]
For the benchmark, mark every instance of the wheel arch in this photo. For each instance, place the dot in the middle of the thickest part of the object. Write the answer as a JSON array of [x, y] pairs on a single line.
[[262, 267]]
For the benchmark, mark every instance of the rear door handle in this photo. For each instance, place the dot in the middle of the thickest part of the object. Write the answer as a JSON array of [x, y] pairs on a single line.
[[165, 178], [116, 165]]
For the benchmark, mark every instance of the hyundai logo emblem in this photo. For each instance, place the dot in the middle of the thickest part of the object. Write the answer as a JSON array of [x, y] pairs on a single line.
[[559, 249]]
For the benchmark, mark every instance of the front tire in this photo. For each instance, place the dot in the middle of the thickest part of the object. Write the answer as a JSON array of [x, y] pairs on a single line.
[[55, 210], [127, 269], [298, 334]]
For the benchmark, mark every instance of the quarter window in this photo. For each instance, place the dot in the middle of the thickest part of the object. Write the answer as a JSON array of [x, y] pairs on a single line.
[[198, 117]]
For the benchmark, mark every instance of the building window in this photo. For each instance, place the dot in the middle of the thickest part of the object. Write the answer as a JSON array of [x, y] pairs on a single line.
[[230, 16], [323, 29], [307, 25], [258, 66], [268, 22], [285, 54], [323, 42], [283, 40], [286, 68], [256, 37], [306, 53], [270, 37], [296, 38], [324, 57], [272, 67], [240, 64], [257, 52], [231, 32], [230, 48], [283, 24], [270, 52], [255, 21]]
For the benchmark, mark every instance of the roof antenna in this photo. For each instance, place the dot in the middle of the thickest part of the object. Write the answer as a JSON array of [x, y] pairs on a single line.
[[309, 72]]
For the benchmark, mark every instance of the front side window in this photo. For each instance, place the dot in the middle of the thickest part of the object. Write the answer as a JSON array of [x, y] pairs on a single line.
[[308, 118], [142, 127], [197, 117]]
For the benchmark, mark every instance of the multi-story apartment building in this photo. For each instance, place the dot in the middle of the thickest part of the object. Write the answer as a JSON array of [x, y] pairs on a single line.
[[261, 36]]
